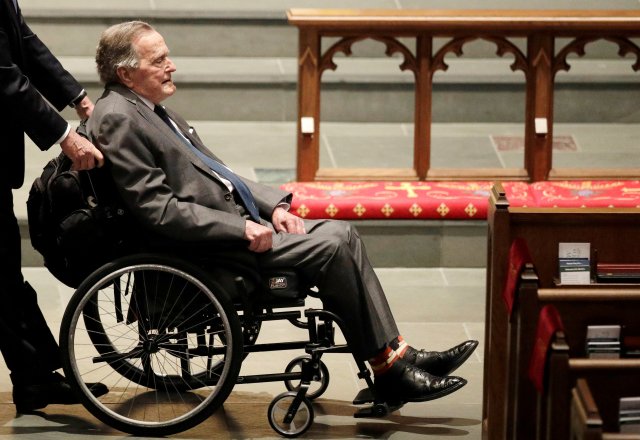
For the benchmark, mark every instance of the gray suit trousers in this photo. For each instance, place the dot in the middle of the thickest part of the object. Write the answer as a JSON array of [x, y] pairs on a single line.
[[332, 257]]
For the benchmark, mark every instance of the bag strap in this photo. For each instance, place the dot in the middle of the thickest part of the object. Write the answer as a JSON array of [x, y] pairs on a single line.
[[82, 131]]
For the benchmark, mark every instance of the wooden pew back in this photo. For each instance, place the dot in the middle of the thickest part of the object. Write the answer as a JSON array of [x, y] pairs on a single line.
[[608, 376], [594, 416], [578, 308], [612, 231]]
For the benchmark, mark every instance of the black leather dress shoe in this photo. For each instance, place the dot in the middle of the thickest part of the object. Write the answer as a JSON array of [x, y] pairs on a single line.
[[52, 390], [406, 383], [440, 363]]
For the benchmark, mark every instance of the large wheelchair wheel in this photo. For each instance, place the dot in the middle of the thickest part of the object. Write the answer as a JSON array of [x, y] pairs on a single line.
[[161, 335]]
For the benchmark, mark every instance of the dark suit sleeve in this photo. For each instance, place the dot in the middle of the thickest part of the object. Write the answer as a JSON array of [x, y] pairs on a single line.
[[267, 197], [26, 106], [46, 72]]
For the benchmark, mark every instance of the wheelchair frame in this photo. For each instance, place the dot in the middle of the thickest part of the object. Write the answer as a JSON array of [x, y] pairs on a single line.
[[209, 335]]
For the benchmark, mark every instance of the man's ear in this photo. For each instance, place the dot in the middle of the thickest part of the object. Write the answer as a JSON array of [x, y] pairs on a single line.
[[125, 76]]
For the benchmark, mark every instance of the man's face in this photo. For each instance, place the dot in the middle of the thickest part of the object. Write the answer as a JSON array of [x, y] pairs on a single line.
[[152, 79]]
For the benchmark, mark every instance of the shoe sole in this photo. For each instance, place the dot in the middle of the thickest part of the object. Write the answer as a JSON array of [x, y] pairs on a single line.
[[437, 395], [29, 408]]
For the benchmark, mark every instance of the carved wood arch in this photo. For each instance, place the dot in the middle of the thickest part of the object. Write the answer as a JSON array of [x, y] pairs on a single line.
[[503, 45], [577, 46], [392, 46]]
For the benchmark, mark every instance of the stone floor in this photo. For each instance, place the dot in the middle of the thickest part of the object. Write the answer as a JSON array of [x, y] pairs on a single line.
[[435, 308]]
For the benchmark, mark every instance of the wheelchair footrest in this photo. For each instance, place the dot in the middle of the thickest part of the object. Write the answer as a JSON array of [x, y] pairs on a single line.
[[377, 409], [365, 395]]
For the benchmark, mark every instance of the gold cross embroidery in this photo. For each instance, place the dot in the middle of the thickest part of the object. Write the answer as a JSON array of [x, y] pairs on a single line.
[[443, 209], [470, 210], [387, 210], [331, 210], [409, 188], [303, 211]]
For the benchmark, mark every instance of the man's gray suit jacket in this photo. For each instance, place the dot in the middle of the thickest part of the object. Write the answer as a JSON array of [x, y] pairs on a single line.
[[174, 193]]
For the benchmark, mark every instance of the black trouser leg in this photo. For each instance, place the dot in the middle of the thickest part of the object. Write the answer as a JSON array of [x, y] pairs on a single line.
[[27, 344], [332, 256]]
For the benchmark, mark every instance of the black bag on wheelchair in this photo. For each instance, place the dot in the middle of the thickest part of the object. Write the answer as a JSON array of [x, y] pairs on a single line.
[[75, 220]]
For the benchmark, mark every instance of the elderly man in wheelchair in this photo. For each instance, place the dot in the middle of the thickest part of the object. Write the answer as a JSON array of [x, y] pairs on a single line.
[[168, 333]]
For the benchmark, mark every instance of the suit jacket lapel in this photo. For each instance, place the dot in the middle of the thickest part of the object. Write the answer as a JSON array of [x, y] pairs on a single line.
[[186, 131], [149, 115]]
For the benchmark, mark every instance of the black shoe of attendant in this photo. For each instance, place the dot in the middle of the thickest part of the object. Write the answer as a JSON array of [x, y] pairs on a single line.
[[440, 363], [406, 383], [53, 390]]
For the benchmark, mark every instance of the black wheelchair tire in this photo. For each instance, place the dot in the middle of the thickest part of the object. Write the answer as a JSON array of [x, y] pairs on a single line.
[[278, 408], [225, 313]]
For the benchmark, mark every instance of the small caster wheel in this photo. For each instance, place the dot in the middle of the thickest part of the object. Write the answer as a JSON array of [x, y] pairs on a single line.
[[279, 410], [380, 410], [317, 387]]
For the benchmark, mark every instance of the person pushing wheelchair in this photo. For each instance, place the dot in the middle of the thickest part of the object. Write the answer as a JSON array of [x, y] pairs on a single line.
[[177, 189]]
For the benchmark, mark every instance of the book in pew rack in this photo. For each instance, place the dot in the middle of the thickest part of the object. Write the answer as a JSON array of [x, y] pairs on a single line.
[[617, 273], [603, 341], [629, 415]]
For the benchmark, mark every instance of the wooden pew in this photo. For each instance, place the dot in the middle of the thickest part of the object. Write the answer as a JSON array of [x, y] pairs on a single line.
[[618, 376], [611, 231], [578, 307], [588, 421]]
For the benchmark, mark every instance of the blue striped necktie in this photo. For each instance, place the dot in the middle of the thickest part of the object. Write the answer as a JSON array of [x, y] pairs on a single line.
[[240, 187]]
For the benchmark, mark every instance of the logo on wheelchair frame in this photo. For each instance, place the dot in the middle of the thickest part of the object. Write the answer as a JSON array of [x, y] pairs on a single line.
[[278, 283]]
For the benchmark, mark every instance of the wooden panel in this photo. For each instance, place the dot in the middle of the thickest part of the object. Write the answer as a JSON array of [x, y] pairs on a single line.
[[540, 64]]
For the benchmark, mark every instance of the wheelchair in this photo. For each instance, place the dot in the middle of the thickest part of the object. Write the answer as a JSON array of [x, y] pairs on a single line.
[[168, 338]]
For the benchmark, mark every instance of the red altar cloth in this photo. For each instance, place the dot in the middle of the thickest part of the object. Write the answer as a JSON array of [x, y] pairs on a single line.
[[399, 200], [587, 193]]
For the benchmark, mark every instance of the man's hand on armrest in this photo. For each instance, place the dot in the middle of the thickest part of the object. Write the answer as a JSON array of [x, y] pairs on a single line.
[[284, 221], [259, 237]]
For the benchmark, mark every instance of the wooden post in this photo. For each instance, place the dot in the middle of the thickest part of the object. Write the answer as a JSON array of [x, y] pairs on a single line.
[[496, 320], [555, 398], [422, 116], [539, 104], [308, 151], [521, 400]]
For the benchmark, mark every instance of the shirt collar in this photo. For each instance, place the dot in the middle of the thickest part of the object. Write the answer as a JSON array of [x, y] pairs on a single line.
[[146, 101]]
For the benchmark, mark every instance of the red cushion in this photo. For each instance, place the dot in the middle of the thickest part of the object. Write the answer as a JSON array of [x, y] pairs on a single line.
[[399, 200], [587, 193], [549, 322]]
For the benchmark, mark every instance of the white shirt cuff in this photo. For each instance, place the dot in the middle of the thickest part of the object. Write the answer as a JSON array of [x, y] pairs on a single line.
[[64, 135]]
